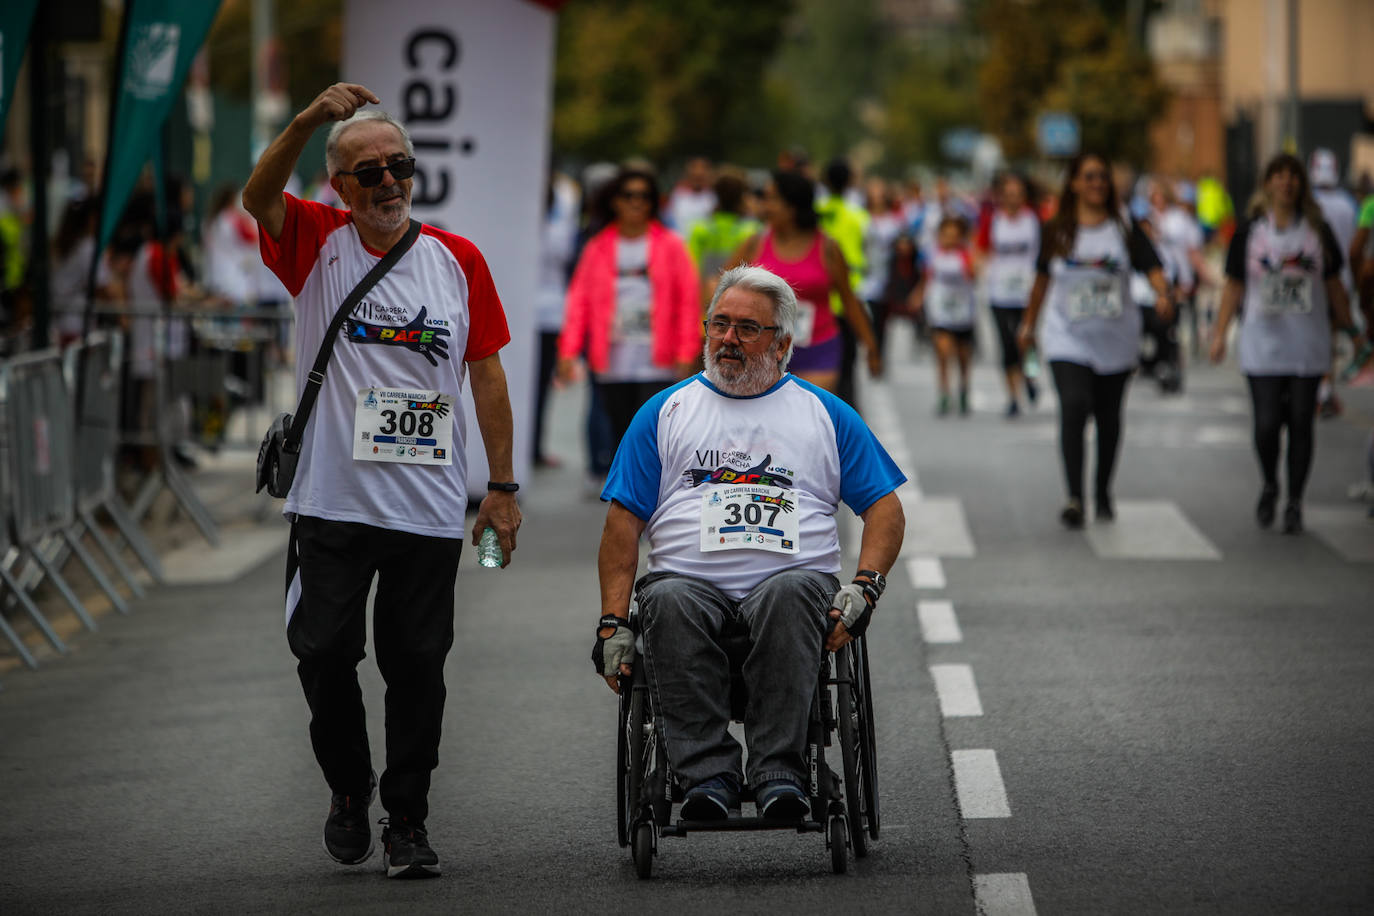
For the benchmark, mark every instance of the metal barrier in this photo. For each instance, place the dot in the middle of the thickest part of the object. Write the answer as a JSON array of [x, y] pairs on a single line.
[[92, 372]]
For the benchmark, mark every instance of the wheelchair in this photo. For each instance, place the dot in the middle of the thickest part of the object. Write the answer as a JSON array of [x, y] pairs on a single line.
[[843, 805]]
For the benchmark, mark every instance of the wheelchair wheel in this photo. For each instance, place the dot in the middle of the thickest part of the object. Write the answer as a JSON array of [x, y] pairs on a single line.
[[851, 753], [869, 757], [630, 781], [623, 769], [643, 848], [839, 855]]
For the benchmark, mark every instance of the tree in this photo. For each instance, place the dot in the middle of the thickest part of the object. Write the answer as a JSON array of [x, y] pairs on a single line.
[[933, 91], [1066, 55], [663, 79]]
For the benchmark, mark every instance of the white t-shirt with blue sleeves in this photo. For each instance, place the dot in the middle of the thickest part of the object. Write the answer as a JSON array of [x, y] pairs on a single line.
[[692, 438]]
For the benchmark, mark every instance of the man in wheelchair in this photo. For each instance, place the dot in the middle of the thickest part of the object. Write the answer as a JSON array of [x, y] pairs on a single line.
[[735, 475]]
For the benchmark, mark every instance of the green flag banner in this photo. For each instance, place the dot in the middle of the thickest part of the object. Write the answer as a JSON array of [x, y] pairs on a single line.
[[16, 17], [160, 38]]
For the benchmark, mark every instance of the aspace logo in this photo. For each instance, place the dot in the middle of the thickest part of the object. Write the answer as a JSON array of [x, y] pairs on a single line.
[[758, 474], [415, 336], [1300, 261], [1106, 262]]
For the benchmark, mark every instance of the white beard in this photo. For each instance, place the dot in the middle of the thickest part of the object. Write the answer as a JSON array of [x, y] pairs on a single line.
[[386, 218], [756, 376]]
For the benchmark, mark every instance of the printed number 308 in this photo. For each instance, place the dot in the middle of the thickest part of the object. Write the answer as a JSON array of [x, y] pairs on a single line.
[[408, 423]]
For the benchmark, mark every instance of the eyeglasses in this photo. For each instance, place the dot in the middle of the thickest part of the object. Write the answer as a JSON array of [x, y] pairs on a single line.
[[635, 195], [369, 176], [746, 331]]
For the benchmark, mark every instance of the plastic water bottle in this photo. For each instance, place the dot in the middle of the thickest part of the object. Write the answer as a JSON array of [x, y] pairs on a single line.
[[1357, 362], [489, 549], [1032, 365]]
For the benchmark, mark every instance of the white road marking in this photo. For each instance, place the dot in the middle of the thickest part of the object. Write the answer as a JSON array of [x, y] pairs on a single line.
[[925, 572], [938, 623], [957, 691], [978, 784], [1003, 895], [1153, 529], [936, 527], [1345, 528]]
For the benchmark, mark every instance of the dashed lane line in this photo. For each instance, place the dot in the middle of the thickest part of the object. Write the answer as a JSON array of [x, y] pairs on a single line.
[[1003, 895], [978, 784], [957, 690], [926, 572], [938, 623]]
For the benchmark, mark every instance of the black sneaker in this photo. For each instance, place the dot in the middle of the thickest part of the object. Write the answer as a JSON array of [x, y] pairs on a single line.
[[1072, 516], [1264, 511], [781, 799], [347, 831], [405, 850], [1292, 518], [1106, 512]]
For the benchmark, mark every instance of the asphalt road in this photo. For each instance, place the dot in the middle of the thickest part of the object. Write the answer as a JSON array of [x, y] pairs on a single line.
[[1176, 707]]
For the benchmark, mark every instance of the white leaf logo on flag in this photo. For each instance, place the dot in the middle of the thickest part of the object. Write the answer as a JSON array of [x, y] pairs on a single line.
[[153, 59]]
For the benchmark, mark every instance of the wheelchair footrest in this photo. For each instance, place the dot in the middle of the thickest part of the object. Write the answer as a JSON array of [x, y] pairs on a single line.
[[682, 828]]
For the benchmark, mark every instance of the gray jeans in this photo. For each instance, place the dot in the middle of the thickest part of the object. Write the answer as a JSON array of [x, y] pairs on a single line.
[[682, 620]]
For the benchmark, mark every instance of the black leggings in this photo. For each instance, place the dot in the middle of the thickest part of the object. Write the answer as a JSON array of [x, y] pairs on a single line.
[[1082, 392], [1008, 320], [1284, 400], [622, 401]]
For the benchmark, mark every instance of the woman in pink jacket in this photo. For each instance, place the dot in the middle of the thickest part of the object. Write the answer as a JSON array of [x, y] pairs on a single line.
[[633, 307]]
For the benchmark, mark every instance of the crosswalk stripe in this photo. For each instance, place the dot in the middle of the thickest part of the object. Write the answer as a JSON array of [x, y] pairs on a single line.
[[926, 572], [1153, 529], [1345, 528]]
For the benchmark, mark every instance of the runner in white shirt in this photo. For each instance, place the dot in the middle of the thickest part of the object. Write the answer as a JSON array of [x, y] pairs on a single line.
[[1009, 248], [735, 477], [1283, 269], [946, 299], [1178, 237], [1091, 336], [381, 486], [1339, 210]]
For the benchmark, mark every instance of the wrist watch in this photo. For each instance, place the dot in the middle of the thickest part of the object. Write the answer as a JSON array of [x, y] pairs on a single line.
[[503, 486], [878, 579]]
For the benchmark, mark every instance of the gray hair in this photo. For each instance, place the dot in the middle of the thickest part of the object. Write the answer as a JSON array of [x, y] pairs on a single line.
[[757, 279], [331, 143]]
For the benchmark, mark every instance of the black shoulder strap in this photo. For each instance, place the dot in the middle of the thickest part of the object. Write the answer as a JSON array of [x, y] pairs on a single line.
[[316, 377]]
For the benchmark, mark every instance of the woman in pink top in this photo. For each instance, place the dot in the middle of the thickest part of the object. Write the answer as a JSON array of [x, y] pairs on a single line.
[[794, 248], [633, 308]]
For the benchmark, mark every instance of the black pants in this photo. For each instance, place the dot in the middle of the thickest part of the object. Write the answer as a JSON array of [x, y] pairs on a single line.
[[1082, 392], [1279, 401], [329, 570], [621, 400], [548, 361], [1008, 321], [1164, 335]]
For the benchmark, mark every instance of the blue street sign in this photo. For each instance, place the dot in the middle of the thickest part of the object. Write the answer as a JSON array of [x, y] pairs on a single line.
[[1057, 134]]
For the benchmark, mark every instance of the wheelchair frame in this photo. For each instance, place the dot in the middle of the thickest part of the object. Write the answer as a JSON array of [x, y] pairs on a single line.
[[843, 805]]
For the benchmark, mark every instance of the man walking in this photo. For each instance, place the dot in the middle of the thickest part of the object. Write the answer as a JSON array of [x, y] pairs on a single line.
[[380, 489]]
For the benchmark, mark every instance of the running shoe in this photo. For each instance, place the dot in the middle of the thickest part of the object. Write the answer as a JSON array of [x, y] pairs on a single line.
[[781, 799], [1106, 512], [1013, 410], [405, 850], [711, 800], [1072, 516], [942, 406], [1292, 518], [963, 403], [347, 832], [1264, 512]]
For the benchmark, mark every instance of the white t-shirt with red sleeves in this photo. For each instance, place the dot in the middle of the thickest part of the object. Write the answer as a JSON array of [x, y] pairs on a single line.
[[433, 312]]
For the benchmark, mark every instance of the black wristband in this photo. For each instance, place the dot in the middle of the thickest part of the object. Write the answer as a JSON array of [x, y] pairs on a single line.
[[502, 486]]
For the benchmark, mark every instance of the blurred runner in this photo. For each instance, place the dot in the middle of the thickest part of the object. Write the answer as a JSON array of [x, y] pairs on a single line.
[[692, 199], [1178, 237], [946, 298], [1159, 339], [1339, 210], [846, 224], [1009, 247], [793, 247], [884, 225], [633, 307], [713, 240], [1091, 339], [1284, 268], [557, 241]]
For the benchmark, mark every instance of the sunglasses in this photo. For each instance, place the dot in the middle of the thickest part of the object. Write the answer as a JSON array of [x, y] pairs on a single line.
[[370, 176]]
